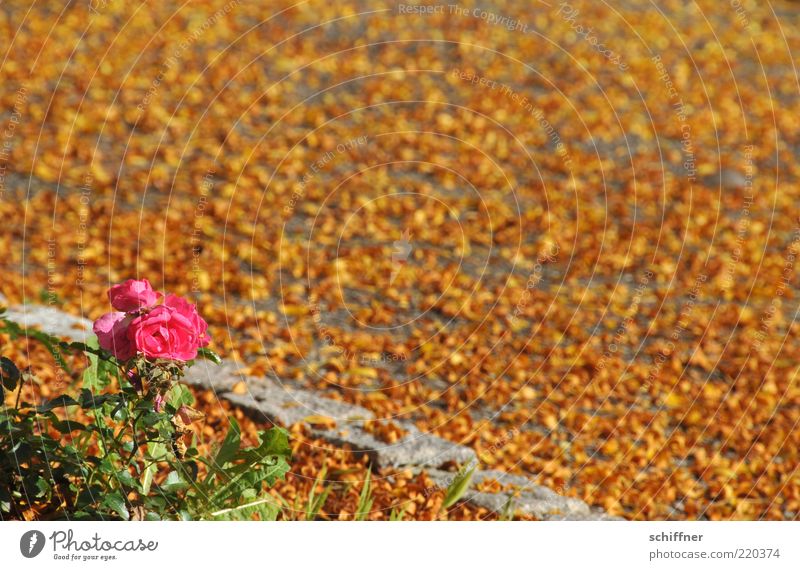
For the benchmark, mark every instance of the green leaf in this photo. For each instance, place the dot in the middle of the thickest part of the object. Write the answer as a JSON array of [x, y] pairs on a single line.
[[179, 395], [85, 348], [101, 371], [266, 509], [508, 510], [9, 374], [89, 401], [155, 503], [151, 418], [43, 487], [174, 482], [116, 503], [120, 411], [274, 441], [147, 478], [458, 486], [67, 426], [397, 515], [156, 451], [109, 464], [57, 402], [365, 499], [230, 446], [208, 354], [90, 379], [316, 502], [127, 479], [254, 466], [107, 371]]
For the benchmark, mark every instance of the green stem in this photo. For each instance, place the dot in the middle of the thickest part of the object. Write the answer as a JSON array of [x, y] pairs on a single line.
[[19, 393], [136, 444], [240, 507]]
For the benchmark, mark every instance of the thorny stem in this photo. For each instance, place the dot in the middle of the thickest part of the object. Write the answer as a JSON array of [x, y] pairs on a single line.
[[133, 435]]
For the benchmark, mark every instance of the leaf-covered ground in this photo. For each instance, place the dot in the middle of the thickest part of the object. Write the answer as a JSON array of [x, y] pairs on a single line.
[[562, 234]]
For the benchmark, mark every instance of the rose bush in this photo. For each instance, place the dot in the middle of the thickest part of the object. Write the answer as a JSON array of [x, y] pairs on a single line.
[[135, 457], [153, 336], [173, 330]]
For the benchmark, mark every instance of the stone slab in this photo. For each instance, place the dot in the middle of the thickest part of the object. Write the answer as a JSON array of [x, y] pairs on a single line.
[[52, 321]]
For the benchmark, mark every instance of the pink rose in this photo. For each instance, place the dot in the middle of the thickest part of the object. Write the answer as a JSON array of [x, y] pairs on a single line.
[[132, 295], [112, 335], [164, 332], [189, 311]]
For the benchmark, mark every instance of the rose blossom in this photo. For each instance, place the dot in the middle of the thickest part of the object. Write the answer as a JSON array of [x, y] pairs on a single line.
[[189, 311], [132, 295], [111, 330], [165, 332]]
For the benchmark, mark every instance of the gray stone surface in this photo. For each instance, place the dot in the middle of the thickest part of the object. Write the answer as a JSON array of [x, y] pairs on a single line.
[[424, 449], [219, 378], [519, 483], [52, 321], [289, 406], [525, 496], [552, 507], [494, 502], [416, 449]]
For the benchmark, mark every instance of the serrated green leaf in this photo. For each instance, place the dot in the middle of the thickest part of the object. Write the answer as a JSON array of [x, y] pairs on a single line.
[[230, 445], [116, 503], [89, 400], [9, 374], [57, 402], [274, 441], [152, 418], [90, 380], [174, 482], [127, 479], [67, 426], [100, 372], [155, 450], [179, 395]]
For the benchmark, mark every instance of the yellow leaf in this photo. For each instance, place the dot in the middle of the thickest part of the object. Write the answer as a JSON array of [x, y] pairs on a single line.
[[673, 400]]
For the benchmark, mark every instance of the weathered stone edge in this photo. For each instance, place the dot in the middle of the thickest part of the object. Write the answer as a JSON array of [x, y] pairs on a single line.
[[287, 406]]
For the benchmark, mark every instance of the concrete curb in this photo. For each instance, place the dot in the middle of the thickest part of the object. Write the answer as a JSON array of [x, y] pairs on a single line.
[[288, 406]]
